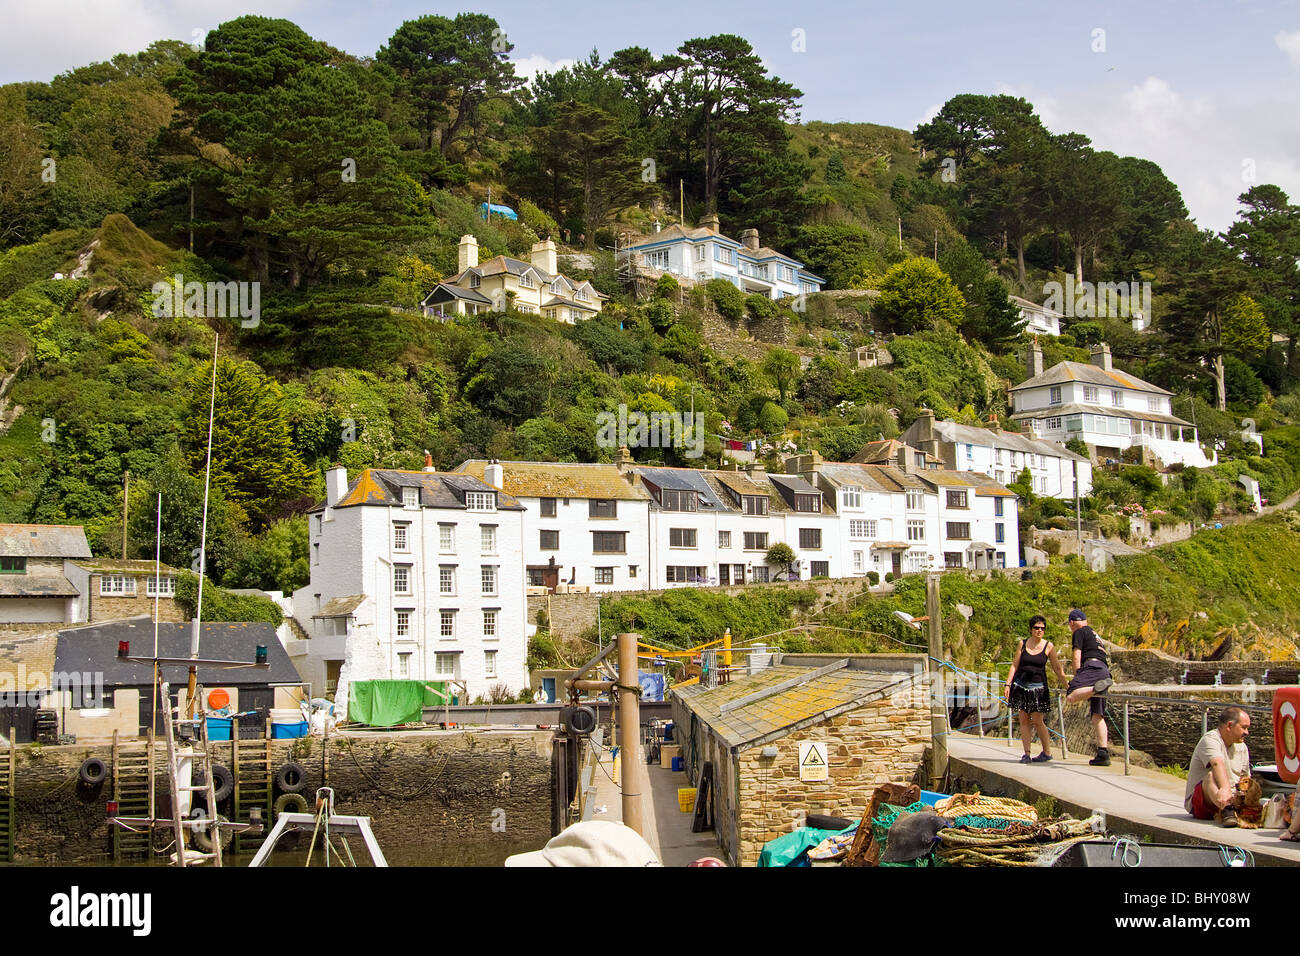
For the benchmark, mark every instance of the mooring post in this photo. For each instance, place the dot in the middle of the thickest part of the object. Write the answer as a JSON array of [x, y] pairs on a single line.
[[629, 718], [938, 699]]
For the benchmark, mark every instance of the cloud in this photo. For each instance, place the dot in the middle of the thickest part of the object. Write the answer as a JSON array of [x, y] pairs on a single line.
[[930, 114], [1289, 43], [528, 67]]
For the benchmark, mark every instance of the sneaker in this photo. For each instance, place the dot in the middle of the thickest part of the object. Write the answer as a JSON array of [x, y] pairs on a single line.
[[1228, 817], [1042, 757], [1101, 760], [1102, 685], [1026, 759]]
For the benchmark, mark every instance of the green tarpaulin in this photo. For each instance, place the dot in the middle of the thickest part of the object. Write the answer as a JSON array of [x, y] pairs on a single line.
[[386, 703]]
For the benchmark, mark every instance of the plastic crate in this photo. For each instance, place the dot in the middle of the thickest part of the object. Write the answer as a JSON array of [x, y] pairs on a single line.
[[686, 798]]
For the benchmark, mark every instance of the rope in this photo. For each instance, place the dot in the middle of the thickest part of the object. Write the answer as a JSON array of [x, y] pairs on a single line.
[[320, 812], [1122, 847], [1017, 844], [977, 804], [1236, 856], [382, 789]]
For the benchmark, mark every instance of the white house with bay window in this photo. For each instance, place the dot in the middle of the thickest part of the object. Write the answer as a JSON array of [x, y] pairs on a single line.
[[1109, 410], [414, 575]]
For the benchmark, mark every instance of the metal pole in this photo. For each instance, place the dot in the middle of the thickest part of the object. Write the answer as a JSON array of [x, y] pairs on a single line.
[[1078, 511], [1205, 722], [1065, 744], [1126, 763], [629, 717], [938, 701]]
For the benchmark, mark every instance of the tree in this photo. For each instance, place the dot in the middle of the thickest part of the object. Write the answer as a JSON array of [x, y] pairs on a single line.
[[781, 555], [22, 147], [990, 317], [916, 293], [1086, 194], [782, 367], [1266, 237], [772, 419]]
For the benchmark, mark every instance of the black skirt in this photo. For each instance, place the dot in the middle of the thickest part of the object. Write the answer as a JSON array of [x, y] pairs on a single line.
[[1033, 699]]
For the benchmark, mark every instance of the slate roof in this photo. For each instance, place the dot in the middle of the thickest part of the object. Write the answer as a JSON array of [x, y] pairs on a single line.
[[340, 606], [778, 712], [449, 291], [43, 541], [120, 566], [1089, 374], [1027, 304], [867, 477], [546, 479], [970, 434], [686, 479], [36, 586], [438, 489], [1110, 411], [94, 649], [790, 485], [879, 452], [36, 653], [572, 303]]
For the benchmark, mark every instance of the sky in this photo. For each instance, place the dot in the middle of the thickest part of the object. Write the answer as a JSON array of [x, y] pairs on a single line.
[[1208, 90]]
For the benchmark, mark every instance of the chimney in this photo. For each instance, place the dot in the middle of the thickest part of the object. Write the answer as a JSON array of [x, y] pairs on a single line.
[[756, 470], [428, 461], [543, 257], [495, 475], [710, 222], [1035, 360], [925, 429], [658, 225], [749, 239], [1101, 356], [336, 485], [624, 460], [467, 253]]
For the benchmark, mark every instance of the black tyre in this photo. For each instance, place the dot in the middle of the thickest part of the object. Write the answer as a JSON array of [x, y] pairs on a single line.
[[290, 803], [822, 821], [204, 836], [223, 781], [290, 778], [93, 771]]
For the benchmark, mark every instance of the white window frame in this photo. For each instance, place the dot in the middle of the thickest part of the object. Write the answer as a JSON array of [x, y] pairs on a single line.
[[447, 579], [851, 497], [684, 538], [116, 585], [724, 539], [489, 664], [440, 658], [480, 501], [402, 579], [446, 538], [491, 617], [490, 578], [1054, 395], [401, 536], [603, 575], [166, 586], [410, 497], [488, 538], [916, 529], [402, 622], [447, 624], [915, 501]]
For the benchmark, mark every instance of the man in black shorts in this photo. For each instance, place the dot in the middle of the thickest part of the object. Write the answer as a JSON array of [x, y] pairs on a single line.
[[1091, 680]]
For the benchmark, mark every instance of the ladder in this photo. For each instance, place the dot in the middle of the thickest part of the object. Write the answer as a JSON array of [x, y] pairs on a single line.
[[7, 802], [251, 765], [132, 783], [182, 761]]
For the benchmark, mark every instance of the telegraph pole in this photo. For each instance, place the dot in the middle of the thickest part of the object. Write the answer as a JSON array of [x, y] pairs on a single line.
[[938, 696]]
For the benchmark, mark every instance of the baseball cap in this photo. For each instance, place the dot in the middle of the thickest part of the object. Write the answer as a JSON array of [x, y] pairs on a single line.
[[591, 843], [1077, 615]]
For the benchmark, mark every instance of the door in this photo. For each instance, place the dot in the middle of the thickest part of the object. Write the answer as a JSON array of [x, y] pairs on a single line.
[[898, 563], [724, 574], [548, 689], [21, 719], [258, 699]]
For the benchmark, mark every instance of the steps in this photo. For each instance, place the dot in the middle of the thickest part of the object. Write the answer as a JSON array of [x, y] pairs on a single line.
[[7, 806], [132, 779], [253, 785]]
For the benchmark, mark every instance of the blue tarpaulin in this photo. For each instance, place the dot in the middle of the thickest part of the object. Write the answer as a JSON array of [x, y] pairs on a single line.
[[494, 210], [652, 685]]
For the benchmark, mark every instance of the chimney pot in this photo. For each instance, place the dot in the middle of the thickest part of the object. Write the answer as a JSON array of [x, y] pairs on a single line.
[[467, 253], [428, 461], [1101, 356]]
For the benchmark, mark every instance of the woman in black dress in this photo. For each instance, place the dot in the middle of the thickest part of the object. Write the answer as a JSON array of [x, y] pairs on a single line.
[[1027, 687]]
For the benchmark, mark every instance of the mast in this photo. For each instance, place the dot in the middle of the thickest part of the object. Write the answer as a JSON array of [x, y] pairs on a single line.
[[203, 540]]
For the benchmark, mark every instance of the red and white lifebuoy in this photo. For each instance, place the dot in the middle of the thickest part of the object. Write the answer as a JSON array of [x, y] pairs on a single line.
[[1286, 733]]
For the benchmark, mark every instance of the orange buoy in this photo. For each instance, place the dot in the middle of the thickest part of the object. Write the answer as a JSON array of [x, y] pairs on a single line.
[[218, 699], [1286, 732]]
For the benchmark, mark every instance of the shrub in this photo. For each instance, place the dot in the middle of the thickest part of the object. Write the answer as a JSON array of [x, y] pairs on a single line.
[[889, 576], [727, 299], [773, 419], [667, 287], [873, 577], [760, 306]]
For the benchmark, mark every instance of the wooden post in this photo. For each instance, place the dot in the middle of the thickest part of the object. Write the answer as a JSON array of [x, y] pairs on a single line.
[[629, 712], [1126, 763], [938, 699]]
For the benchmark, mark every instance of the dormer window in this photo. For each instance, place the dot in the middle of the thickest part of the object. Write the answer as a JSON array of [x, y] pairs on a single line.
[[410, 497], [475, 280], [480, 501], [674, 500], [581, 295], [526, 281], [754, 504], [810, 504]]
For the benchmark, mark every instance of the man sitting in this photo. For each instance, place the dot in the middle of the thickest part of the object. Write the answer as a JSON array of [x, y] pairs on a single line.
[[1218, 762]]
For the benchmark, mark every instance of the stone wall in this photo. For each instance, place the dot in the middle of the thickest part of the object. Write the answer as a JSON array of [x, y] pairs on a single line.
[[117, 608], [434, 798]]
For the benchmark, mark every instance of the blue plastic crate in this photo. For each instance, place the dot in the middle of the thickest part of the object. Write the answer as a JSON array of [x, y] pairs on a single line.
[[218, 728], [287, 731]]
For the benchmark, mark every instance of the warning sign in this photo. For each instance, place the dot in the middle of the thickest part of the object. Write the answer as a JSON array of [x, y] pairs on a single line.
[[813, 761]]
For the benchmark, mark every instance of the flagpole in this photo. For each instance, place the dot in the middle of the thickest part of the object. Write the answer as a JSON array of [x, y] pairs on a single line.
[[203, 540]]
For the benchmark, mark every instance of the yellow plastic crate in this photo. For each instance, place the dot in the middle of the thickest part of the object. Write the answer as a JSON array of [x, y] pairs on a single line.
[[686, 798]]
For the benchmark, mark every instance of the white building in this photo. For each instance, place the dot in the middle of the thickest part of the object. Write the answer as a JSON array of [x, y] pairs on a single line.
[[414, 575], [34, 564], [1037, 319], [586, 526], [704, 253], [1109, 410], [1003, 456]]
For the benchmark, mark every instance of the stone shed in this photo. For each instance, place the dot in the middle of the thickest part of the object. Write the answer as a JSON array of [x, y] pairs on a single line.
[[871, 715]]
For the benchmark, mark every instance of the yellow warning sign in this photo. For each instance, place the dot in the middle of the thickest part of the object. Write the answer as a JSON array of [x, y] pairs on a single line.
[[813, 761]]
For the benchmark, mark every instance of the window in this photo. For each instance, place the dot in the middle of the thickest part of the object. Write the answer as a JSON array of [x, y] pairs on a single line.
[[685, 574], [1000, 477], [999, 533], [548, 507], [525, 281], [959, 530], [444, 665], [857, 560], [399, 536], [550, 541], [401, 579], [320, 527], [489, 663], [580, 295], [957, 499], [315, 554], [403, 623], [674, 500], [446, 624], [1074, 423], [535, 579], [754, 505], [609, 542], [631, 570], [475, 280], [1053, 423], [809, 504], [116, 585], [755, 540], [488, 574], [1117, 398], [915, 501], [1054, 395], [1000, 559], [446, 537], [447, 579], [657, 259], [602, 508], [952, 559], [724, 539], [1042, 484], [604, 575], [1153, 404], [998, 505], [488, 538], [681, 537], [851, 497], [916, 530], [490, 623], [410, 497], [862, 528], [821, 569], [762, 574], [404, 664], [160, 587], [481, 500], [721, 254], [700, 252], [810, 539], [915, 561]]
